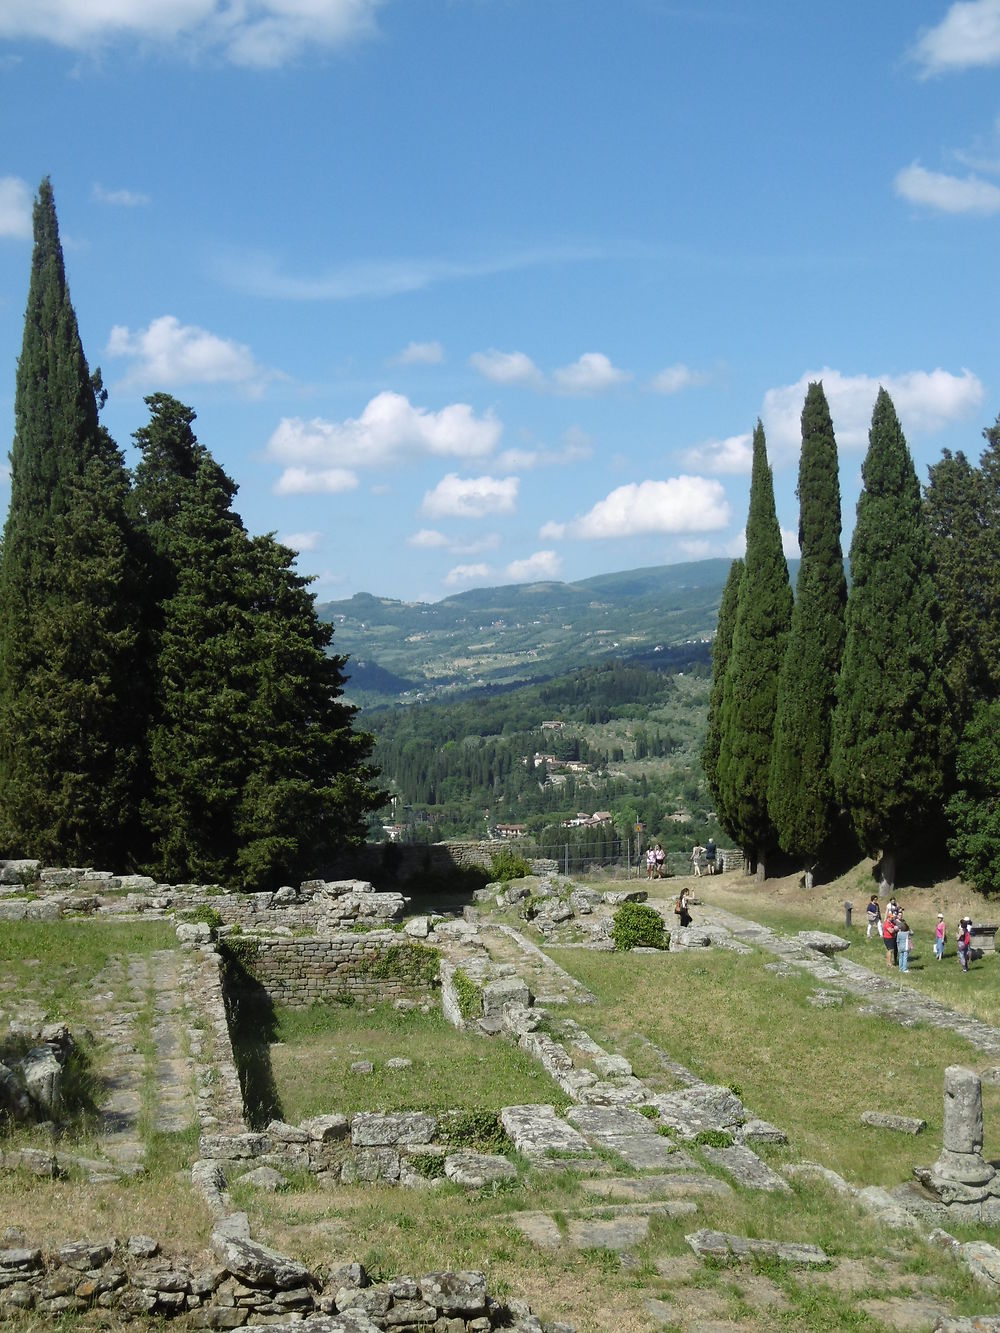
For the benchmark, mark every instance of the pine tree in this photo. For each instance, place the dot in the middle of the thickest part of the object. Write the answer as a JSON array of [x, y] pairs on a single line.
[[763, 614], [801, 797], [68, 596], [721, 648], [891, 733]]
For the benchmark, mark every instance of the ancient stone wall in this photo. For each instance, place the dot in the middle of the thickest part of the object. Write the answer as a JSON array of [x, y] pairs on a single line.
[[373, 965]]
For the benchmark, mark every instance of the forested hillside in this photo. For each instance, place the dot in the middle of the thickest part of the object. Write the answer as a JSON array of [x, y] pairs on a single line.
[[623, 739]]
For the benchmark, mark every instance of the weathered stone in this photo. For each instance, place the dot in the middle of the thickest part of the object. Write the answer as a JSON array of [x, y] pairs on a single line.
[[762, 1131], [475, 1169], [194, 932], [823, 942], [142, 1247], [327, 1128], [902, 1124], [372, 1164], [362, 1067], [418, 927], [615, 897], [399, 1062], [83, 1254], [501, 994], [722, 1245], [983, 1262], [374, 1301], [538, 1132], [233, 1147], [21, 1260], [42, 1074], [218, 1316], [747, 1169], [280, 1132], [377, 1129], [258, 1266], [458, 1293], [963, 1111], [265, 1178]]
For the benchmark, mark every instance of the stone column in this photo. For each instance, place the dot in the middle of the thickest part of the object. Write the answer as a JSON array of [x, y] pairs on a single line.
[[961, 1161]]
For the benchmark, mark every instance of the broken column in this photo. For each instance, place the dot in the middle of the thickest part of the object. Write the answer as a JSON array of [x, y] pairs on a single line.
[[961, 1175]]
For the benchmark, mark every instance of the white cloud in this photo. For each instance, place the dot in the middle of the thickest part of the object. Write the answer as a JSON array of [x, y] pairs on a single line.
[[119, 198], [947, 194], [427, 539], [264, 34], [924, 400], [732, 456], [168, 353], [315, 481], [576, 447], [420, 354], [967, 36], [15, 208], [592, 373], [466, 574], [789, 543], [675, 378], [390, 431], [680, 504], [507, 368], [471, 497], [541, 565], [301, 541]]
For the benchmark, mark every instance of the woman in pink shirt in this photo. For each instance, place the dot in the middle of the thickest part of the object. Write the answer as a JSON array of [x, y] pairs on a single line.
[[939, 937]]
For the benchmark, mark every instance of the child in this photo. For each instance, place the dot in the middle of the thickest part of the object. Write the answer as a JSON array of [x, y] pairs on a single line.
[[939, 937], [874, 913], [904, 937]]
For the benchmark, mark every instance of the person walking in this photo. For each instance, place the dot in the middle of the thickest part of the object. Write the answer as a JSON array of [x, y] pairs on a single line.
[[904, 940], [964, 941], [697, 852], [940, 935], [874, 914]]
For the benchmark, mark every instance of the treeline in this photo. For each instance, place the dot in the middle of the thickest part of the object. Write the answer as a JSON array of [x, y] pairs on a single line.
[[870, 713], [167, 698]]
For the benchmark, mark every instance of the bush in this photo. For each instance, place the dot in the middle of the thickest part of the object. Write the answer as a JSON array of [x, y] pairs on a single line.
[[638, 926], [203, 914], [508, 865], [470, 996]]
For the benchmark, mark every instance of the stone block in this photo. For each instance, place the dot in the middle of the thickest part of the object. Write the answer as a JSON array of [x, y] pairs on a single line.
[[371, 1129]]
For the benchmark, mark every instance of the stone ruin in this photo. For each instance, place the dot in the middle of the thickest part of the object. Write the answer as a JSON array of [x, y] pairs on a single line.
[[961, 1180]]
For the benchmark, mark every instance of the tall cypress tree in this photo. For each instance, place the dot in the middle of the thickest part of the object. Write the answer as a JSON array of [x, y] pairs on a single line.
[[721, 648], [68, 596], [801, 797], [892, 734], [763, 614]]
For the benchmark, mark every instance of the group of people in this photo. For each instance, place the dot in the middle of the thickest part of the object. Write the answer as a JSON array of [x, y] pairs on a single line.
[[897, 936], [656, 862], [706, 854]]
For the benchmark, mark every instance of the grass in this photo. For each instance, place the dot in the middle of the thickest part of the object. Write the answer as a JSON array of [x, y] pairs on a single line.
[[315, 1048], [812, 1071]]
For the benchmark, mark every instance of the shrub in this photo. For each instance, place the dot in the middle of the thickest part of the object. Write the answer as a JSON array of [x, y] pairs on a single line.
[[508, 865], [204, 915], [637, 925], [478, 1129]]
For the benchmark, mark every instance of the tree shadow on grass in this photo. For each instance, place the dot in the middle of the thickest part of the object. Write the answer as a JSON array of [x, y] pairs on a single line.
[[252, 1027]]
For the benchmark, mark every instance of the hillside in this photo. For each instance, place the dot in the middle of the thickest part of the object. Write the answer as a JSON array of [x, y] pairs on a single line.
[[522, 632]]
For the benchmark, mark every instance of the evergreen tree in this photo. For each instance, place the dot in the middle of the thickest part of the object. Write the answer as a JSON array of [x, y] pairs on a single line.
[[801, 798], [68, 596], [760, 631], [891, 733], [962, 504], [257, 775], [721, 648]]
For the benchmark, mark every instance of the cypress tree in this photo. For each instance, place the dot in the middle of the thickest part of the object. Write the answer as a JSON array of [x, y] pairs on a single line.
[[68, 596], [763, 614], [891, 732], [801, 797], [721, 648]]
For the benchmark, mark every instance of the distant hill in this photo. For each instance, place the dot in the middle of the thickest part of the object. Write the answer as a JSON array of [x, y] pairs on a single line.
[[521, 632]]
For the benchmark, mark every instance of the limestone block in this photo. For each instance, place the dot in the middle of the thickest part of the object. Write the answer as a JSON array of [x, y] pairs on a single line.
[[373, 1129], [42, 1074], [983, 1262], [538, 1132], [475, 1169], [327, 1128], [902, 1124], [258, 1266], [194, 932], [265, 1178], [418, 927], [281, 1132], [506, 991], [458, 1293], [615, 897], [722, 1245], [823, 942]]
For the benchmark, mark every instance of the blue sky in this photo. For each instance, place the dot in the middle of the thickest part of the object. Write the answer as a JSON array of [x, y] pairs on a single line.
[[471, 292]]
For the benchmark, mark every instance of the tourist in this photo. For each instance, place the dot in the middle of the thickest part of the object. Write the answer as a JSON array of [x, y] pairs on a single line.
[[964, 941], [681, 909], [660, 861], [697, 852], [939, 937], [710, 856], [904, 938], [889, 929], [874, 913], [650, 862]]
